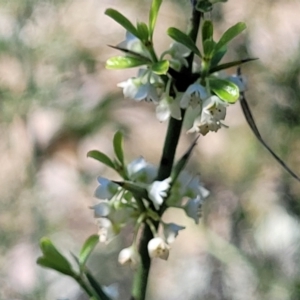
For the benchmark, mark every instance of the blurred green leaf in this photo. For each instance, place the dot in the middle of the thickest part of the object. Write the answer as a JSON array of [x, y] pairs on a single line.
[[184, 39], [118, 147], [87, 248], [101, 157], [53, 259], [143, 31], [153, 16], [122, 20], [208, 48], [224, 89], [230, 34], [207, 30], [161, 67], [204, 6], [217, 56], [124, 62]]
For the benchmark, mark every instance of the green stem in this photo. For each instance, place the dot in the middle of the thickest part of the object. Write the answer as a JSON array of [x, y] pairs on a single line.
[[165, 168]]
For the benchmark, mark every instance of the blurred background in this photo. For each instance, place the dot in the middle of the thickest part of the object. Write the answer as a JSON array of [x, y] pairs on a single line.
[[58, 102]]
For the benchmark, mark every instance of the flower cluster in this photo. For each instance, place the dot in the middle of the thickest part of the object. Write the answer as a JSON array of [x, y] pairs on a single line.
[[118, 205], [149, 86]]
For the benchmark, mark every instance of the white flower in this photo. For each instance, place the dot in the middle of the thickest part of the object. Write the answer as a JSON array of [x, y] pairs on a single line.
[[101, 209], [192, 208], [129, 256], [214, 110], [157, 247], [194, 95], [158, 190], [178, 52], [132, 43], [106, 189], [168, 107], [106, 231], [171, 231], [141, 171]]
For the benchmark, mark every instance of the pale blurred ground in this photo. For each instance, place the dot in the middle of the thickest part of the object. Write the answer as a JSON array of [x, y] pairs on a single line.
[[58, 102]]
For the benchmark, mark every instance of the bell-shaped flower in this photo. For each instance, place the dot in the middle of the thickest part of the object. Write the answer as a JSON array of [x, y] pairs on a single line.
[[129, 256], [106, 230], [214, 110], [168, 107], [171, 231], [193, 96], [132, 43], [106, 190], [157, 247], [178, 53], [158, 190], [102, 209], [141, 171], [192, 208]]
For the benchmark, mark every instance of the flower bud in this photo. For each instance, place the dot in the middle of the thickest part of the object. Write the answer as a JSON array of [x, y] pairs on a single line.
[[157, 247], [128, 256]]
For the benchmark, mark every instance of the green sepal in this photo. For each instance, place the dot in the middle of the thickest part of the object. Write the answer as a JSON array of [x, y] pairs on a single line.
[[122, 20], [124, 62], [230, 65], [53, 259], [153, 16], [161, 67], [224, 89], [143, 31], [103, 158], [184, 39], [118, 146], [87, 248], [207, 30], [230, 34]]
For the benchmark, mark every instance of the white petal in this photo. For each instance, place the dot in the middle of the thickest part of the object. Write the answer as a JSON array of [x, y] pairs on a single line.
[[157, 191], [157, 247]]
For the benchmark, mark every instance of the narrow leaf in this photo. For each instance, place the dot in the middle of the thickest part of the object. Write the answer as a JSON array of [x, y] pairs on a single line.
[[134, 188], [207, 30], [96, 286], [184, 39], [88, 248], [161, 67], [103, 158], [54, 257], [143, 31], [218, 55], [208, 48], [46, 263], [230, 64], [224, 89], [118, 147], [122, 20], [251, 123], [230, 34], [124, 62], [153, 16]]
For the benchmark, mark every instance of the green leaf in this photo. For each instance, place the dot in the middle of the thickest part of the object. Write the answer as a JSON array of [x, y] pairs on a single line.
[[184, 39], [101, 157], [230, 65], [122, 20], [124, 62], [88, 248], [208, 48], [207, 30], [118, 147], [161, 67], [143, 31], [153, 16], [230, 34], [217, 56], [136, 189], [224, 89], [53, 258]]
